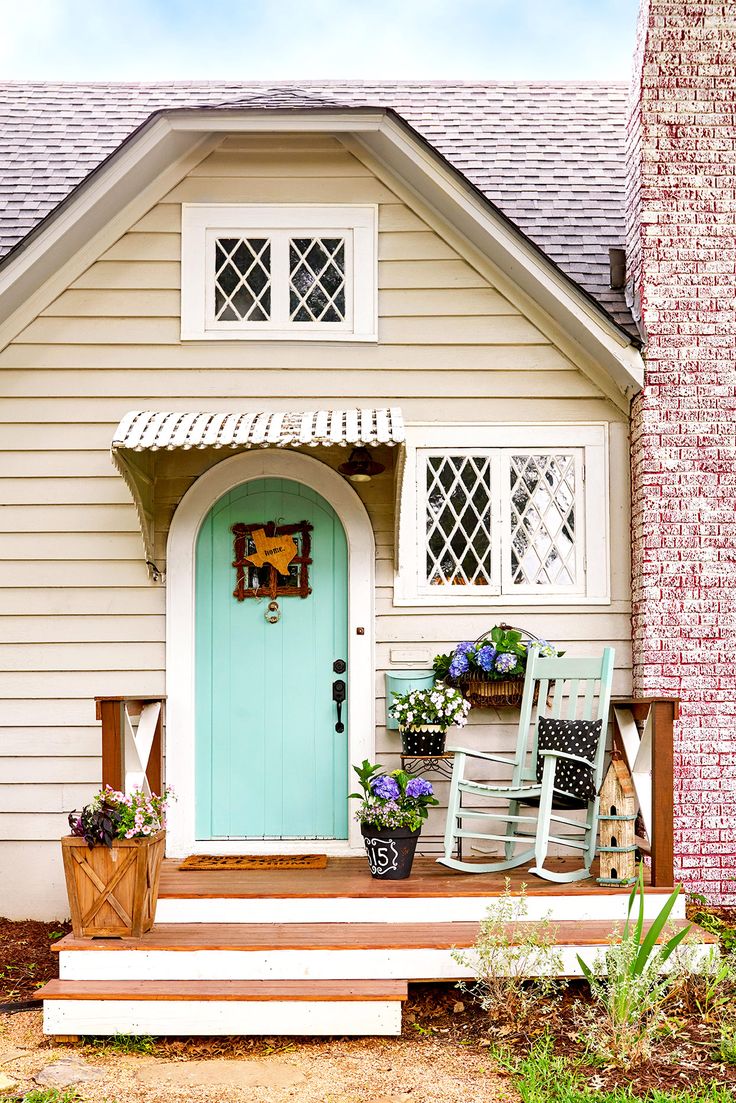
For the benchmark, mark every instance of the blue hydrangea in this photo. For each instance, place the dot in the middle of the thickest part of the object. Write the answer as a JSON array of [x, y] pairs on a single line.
[[547, 649], [418, 787], [485, 657], [505, 662], [459, 664], [464, 647], [385, 788]]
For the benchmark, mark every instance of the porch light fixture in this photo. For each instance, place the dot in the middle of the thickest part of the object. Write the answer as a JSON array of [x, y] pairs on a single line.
[[360, 468]]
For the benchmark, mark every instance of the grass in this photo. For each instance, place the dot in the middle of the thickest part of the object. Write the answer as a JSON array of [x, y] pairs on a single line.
[[543, 1077], [42, 1095], [727, 1044], [124, 1043]]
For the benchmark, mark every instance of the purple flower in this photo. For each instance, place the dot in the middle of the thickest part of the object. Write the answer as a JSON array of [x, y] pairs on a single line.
[[485, 657], [418, 787], [464, 647], [505, 662], [459, 664], [385, 788]]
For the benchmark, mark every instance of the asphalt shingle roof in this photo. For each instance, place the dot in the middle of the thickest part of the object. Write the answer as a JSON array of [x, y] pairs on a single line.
[[549, 155]]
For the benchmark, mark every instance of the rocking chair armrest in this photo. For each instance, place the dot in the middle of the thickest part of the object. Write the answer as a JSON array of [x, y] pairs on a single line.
[[564, 754], [507, 760]]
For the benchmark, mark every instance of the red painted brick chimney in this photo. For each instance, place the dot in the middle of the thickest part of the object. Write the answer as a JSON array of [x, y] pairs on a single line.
[[682, 281]]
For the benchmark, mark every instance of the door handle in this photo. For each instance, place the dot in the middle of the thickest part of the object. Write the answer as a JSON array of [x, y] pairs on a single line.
[[339, 692]]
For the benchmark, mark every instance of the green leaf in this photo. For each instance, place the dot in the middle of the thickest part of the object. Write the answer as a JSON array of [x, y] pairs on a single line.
[[671, 945], [640, 890], [587, 972], [649, 943]]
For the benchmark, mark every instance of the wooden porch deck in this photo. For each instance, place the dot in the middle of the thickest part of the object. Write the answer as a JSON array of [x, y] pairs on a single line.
[[331, 951], [307, 951], [350, 878]]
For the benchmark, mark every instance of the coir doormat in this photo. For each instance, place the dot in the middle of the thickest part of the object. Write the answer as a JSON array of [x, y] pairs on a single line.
[[255, 861]]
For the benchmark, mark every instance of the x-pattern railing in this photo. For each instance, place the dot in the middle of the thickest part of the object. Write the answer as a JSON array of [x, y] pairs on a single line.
[[643, 734], [132, 742]]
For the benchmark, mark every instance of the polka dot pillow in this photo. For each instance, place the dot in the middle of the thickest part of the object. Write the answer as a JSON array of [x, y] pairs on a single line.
[[580, 737]]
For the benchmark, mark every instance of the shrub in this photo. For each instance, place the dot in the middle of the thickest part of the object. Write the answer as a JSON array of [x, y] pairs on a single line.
[[515, 962], [630, 985]]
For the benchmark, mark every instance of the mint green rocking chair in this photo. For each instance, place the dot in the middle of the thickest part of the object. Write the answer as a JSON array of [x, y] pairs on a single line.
[[565, 688]]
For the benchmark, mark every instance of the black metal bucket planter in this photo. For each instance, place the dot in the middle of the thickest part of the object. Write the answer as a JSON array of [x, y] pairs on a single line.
[[390, 851], [423, 739]]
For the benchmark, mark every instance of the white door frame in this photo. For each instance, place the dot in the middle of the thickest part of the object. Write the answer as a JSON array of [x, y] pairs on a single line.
[[180, 638]]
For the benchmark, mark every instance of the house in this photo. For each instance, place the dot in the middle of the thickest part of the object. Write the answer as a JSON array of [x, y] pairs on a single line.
[[212, 294]]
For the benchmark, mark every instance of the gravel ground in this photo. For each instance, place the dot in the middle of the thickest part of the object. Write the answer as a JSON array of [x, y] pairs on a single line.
[[422, 1069]]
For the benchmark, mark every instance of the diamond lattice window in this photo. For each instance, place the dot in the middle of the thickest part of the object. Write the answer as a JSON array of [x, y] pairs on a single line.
[[317, 279], [543, 548], [242, 279], [458, 547]]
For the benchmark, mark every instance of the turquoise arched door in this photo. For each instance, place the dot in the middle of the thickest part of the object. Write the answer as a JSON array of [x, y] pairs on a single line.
[[269, 762]]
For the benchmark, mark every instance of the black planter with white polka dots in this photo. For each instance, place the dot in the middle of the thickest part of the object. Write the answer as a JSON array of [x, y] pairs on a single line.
[[428, 741]]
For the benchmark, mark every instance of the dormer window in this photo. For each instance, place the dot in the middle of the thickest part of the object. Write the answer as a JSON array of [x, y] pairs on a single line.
[[278, 272]]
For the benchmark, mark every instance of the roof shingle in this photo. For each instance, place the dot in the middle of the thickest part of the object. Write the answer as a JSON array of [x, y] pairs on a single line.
[[549, 155]]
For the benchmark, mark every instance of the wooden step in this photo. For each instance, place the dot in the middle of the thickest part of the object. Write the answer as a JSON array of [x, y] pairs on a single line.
[[260, 990], [314, 952], [227, 1007], [252, 937]]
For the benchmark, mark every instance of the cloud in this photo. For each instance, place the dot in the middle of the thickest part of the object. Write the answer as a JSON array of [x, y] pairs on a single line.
[[283, 39]]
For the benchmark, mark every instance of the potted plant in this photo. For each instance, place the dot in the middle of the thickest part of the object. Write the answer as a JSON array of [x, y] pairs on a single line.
[[424, 715], [392, 810], [490, 671], [112, 862]]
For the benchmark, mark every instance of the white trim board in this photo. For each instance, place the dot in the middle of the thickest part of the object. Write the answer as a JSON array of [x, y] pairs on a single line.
[[180, 613], [590, 438], [393, 909], [201, 223], [30, 277], [421, 963], [222, 1017]]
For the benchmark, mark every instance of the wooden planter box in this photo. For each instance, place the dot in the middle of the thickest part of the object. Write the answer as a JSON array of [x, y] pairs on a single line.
[[113, 891]]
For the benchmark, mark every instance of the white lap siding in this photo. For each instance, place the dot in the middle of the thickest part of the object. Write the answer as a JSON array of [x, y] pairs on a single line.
[[78, 615]]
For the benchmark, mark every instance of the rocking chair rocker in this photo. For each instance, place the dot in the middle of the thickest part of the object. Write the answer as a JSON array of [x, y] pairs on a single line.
[[580, 689]]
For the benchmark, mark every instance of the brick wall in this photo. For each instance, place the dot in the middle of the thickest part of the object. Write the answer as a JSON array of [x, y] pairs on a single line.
[[682, 282]]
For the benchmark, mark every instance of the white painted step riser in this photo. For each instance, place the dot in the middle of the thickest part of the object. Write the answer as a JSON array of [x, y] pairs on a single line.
[[457, 909], [223, 1017], [388, 964]]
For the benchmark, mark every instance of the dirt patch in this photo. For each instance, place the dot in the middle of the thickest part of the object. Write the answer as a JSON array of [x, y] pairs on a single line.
[[26, 960], [416, 1069], [442, 1055]]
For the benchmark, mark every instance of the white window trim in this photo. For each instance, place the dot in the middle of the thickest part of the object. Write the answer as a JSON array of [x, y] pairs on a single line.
[[590, 438], [202, 222]]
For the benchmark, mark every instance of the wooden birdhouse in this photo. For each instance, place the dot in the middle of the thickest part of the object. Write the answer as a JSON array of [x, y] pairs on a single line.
[[616, 826]]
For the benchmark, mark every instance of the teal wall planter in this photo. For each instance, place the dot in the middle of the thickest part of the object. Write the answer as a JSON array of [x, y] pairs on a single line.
[[402, 681]]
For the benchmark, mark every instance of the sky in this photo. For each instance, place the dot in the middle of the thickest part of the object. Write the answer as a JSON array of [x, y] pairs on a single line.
[[301, 39]]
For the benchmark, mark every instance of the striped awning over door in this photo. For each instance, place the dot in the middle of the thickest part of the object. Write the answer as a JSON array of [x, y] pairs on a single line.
[[151, 431], [143, 433]]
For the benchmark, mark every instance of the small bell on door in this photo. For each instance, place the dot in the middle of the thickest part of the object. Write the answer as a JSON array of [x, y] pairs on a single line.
[[273, 613]]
